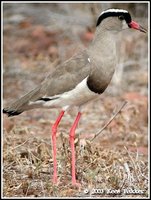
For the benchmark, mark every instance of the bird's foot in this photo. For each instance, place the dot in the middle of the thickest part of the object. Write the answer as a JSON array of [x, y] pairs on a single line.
[[74, 183]]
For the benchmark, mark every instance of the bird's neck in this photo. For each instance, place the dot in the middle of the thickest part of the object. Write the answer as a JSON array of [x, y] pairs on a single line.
[[103, 44], [102, 55]]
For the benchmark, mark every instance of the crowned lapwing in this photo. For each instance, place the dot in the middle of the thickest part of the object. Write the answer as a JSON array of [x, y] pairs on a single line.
[[80, 79]]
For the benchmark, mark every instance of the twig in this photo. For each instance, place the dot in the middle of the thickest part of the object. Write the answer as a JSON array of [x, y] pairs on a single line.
[[110, 120], [133, 163], [20, 144]]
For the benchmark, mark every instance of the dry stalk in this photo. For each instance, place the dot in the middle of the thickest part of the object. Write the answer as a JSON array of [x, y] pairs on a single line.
[[110, 120]]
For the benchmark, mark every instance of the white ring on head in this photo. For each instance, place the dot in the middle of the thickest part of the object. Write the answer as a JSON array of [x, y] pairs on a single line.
[[114, 10]]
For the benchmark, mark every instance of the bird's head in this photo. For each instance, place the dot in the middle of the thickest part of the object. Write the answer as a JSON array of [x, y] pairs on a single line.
[[117, 20]]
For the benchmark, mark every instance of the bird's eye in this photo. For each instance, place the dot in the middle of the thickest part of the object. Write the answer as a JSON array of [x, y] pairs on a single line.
[[121, 17]]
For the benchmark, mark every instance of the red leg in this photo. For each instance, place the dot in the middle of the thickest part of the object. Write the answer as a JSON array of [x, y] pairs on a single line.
[[54, 149], [72, 136]]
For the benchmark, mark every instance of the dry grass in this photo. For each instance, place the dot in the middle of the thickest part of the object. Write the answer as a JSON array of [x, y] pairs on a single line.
[[116, 160]]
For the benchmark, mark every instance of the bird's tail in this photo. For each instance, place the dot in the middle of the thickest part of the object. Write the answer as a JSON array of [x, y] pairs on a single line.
[[22, 104]]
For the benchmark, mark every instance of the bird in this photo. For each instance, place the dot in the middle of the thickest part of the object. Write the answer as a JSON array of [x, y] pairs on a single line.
[[80, 79]]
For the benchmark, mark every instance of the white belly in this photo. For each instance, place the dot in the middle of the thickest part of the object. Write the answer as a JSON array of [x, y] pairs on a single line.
[[76, 97]]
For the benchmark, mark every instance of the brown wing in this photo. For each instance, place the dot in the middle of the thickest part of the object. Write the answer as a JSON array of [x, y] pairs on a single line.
[[67, 75]]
